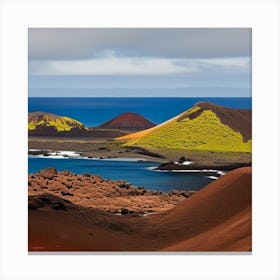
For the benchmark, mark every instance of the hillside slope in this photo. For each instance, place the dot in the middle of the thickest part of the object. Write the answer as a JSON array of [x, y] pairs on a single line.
[[128, 121], [216, 218], [205, 126], [41, 123]]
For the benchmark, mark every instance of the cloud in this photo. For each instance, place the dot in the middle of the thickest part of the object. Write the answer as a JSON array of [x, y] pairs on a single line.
[[110, 66], [114, 65], [126, 61], [84, 43], [192, 79]]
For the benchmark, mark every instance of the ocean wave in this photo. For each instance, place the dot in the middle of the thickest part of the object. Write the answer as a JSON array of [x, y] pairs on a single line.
[[48, 157], [153, 168], [123, 159], [212, 177], [65, 154], [190, 171]]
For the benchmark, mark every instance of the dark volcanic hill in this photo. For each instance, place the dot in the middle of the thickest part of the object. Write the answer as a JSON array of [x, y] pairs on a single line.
[[128, 121]]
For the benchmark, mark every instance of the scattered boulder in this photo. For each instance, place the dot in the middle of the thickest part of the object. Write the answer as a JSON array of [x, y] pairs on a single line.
[[124, 185], [189, 193], [93, 191], [48, 173], [154, 192], [66, 193], [66, 173], [132, 192], [103, 149], [124, 211], [182, 160]]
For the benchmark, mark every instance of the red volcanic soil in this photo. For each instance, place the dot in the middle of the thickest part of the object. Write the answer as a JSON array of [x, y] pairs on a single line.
[[128, 121], [216, 218], [220, 213]]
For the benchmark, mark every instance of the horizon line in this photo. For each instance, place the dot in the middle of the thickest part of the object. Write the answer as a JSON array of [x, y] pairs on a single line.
[[139, 96]]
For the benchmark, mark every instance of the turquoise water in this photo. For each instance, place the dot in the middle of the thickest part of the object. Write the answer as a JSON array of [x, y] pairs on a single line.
[[137, 173]]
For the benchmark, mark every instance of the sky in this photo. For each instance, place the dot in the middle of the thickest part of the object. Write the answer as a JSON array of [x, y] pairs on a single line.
[[139, 62]]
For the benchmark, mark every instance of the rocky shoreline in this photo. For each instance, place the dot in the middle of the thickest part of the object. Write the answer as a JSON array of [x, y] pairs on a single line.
[[92, 191], [99, 152], [183, 164], [216, 168], [108, 148]]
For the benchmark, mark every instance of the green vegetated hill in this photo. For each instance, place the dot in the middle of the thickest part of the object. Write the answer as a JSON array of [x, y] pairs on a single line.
[[205, 126], [40, 121]]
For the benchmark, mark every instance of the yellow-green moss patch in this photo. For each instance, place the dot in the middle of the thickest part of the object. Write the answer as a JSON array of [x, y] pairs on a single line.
[[60, 123], [205, 132]]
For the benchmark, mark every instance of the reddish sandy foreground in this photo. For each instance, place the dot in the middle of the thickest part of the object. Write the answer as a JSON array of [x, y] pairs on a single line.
[[216, 218]]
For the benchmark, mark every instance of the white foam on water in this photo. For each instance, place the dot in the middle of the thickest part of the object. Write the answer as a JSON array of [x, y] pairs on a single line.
[[56, 154], [182, 170], [187, 162], [89, 158], [123, 159], [212, 177], [152, 168], [193, 171], [77, 155], [50, 156], [65, 153]]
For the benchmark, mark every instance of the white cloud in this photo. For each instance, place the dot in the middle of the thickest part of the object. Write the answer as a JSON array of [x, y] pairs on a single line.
[[228, 62], [114, 65], [110, 66]]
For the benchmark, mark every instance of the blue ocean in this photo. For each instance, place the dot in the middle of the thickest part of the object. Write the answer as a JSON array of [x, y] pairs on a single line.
[[94, 111]]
